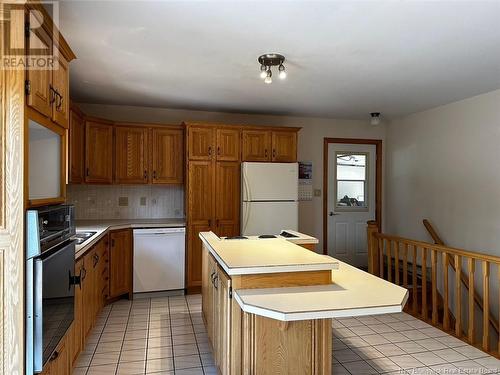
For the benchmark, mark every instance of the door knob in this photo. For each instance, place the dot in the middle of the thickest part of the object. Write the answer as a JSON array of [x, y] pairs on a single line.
[[333, 213]]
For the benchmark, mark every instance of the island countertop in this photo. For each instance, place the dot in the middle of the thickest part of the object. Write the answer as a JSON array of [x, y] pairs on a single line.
[[259, 256]]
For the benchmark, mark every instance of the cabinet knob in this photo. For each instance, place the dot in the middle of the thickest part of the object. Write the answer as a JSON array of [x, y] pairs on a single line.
[[145, 175], [209, 150], [265, 152], [274, 153]]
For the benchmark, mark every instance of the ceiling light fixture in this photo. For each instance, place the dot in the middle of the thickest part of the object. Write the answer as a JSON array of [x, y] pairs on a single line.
[[374, 118], [267, 61]]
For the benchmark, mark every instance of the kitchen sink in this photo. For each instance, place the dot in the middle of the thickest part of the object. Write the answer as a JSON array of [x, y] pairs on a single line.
[[81, 237]]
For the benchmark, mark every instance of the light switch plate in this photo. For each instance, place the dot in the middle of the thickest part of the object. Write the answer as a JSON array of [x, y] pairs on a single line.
[[317, 192], [122, 201]]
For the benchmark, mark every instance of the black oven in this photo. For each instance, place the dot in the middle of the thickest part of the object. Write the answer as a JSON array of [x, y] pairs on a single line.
[[50, 282]]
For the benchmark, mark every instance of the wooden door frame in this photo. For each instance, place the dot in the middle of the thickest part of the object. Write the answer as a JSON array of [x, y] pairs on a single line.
[[378, 181]]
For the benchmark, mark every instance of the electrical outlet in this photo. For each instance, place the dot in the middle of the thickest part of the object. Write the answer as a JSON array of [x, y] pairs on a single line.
[[143, 201], [122, 201], [177, 212], [317, 192]]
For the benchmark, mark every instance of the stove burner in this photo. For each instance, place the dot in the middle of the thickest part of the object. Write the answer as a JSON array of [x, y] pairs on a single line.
[[237, 238], [288, 235], [267, 236]]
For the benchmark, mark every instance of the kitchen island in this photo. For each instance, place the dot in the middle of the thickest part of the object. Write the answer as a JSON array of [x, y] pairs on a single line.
[[268, 304]]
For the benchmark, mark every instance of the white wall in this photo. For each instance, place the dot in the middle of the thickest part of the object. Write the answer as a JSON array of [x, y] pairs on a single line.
[[310, 145], [442, 164]]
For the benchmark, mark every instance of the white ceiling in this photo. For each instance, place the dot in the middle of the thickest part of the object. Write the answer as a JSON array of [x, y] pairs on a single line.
[[344, 58]]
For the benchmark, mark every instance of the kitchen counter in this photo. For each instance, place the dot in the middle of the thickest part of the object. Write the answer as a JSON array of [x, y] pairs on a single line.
[[101, 227], [354, 293], [260, 256]]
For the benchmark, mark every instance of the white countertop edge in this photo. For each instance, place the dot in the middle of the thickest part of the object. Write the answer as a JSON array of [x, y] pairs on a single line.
[[321, 314], [268, 269]]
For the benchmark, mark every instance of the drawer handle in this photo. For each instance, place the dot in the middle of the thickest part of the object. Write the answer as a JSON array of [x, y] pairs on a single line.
[[265, 152]]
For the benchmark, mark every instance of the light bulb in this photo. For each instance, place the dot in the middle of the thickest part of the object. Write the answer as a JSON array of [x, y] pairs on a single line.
[[263, 72], [268, 80], [282, 74]]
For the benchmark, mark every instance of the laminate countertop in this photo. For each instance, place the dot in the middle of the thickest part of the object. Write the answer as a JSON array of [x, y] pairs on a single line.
[[101, 227], [260, 256], [353, 293]]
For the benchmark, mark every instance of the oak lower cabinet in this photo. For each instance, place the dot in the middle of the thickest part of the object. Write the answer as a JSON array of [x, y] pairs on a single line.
[[120, 263], [227, 198], [77, 327], [88, 293], [98, 152], [59, 363]]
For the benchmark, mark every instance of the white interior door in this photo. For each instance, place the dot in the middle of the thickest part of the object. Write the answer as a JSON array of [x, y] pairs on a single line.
[[351, 200]]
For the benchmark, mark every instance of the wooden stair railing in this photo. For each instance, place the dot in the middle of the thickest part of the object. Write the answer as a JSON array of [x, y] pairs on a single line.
[[463, 277], [388, 255]]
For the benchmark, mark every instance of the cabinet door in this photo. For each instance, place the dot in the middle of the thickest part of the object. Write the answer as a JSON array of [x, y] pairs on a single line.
[[39, 93], [210, 305], [194, 255], [76, 148], [200, 142], [224, 326], [120, 263], [200, 193], [228, 144], [88, 297], [256, 145], [60, 83], [103, 254], [77, 343], [98, 153], [131, 162], [284, 146], [168, 156], [60, 361], [227, 198]]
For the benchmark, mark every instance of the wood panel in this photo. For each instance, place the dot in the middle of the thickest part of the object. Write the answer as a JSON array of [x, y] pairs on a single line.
[[194, 255], [224, 326], [283, 279], [308, 246], [228, 144], [12, 101], [77, 339], [98, 152], [88, 293], [201, 142], [200, 201], [120, 263], [167, 156], [227, 198], [131, 161], [281, 347], [60, 83], [76, 147], [284, 144], [256, 145]]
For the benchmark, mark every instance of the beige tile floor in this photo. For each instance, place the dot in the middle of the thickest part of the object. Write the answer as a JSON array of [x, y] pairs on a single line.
[[167, 336]]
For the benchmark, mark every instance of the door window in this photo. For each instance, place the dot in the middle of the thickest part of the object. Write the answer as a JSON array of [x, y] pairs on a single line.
[[351, 181]]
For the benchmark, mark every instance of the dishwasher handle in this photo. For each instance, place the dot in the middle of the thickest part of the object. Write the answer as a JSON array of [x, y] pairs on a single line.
[[159, 231]]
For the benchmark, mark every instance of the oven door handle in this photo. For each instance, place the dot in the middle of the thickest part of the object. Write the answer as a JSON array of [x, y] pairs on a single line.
[[38, 316]]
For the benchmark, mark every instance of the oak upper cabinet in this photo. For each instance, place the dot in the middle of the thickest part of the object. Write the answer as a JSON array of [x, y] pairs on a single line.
[[201, 142], [47, 90], [227, 198], [167, 158], [131, 159], [284, 145], [39, 81], [76, 147], [228, 144], [60, 92], [120, 263], [98, 152], [256, 145]]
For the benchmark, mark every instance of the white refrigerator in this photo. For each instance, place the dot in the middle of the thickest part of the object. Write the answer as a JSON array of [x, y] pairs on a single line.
[[269, 198]]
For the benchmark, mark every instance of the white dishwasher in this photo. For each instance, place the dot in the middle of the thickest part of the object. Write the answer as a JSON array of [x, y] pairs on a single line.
[[159, 259]]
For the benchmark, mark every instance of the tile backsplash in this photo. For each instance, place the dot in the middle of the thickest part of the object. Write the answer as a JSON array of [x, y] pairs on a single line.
[[126, 202]]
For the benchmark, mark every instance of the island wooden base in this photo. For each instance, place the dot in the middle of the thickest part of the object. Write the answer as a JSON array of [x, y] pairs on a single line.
[[271, 347]]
